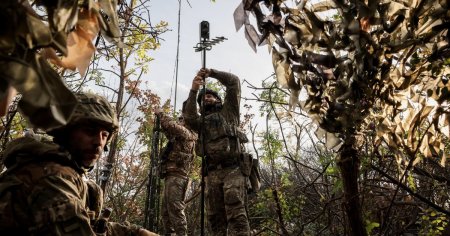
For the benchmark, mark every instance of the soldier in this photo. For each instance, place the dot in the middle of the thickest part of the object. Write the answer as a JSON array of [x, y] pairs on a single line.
[[226, 183], [42, 192], [176, 168]]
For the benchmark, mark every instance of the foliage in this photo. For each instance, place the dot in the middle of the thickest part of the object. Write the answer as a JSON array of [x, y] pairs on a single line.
[[119, 71], [433, 223], [311, 190], [372, 77], [363, 71], [376, 71], [216, 86], [371, 225], [271, 94]]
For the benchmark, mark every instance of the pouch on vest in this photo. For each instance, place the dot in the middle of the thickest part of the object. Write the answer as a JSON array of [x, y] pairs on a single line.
[[245, 163], [218, 149], [215, 127]]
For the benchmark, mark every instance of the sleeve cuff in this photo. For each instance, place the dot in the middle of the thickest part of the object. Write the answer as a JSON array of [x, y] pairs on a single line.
[[212, 72]]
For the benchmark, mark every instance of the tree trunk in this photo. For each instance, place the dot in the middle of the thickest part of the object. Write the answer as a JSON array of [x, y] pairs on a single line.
[[348, 163], [111, 160], [281, 224]]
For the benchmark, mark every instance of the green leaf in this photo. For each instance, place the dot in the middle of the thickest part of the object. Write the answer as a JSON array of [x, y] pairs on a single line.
[[371, 225]]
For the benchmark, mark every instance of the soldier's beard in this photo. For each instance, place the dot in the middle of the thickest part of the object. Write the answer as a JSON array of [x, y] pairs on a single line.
[[211, 108], [87, 158]]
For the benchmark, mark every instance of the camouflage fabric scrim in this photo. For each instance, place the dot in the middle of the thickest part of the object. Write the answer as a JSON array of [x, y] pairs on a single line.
[[226, 185], [173, 205], [26, 36], [42, 192]]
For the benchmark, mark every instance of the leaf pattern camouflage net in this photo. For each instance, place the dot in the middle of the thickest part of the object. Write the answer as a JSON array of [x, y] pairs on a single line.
[[364, 67], [25, 42]]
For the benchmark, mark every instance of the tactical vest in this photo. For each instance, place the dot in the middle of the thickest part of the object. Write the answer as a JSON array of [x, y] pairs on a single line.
[[223, 140], [176, 160]]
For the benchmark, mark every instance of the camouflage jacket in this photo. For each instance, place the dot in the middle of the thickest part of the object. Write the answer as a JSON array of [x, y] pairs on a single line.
[[221, 127], [100, 221], [42, 191], [182, 155]]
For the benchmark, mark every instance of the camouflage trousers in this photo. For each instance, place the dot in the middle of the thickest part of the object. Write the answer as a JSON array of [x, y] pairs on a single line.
[[225, 202], [173, 217]]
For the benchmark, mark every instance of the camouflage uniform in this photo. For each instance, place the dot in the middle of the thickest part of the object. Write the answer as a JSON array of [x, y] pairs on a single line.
[[177, 168], [225, 184], [100, 221], [42, 192]]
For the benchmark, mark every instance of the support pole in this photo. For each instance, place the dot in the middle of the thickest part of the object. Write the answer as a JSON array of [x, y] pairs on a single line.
[[204, 36], [204, 45]]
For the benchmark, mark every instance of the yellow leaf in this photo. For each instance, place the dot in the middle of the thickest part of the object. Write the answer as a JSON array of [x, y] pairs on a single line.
[[291, 35]]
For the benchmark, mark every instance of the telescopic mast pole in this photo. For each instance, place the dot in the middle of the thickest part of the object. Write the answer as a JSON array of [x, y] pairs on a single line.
[[204, 45], [204, 37]]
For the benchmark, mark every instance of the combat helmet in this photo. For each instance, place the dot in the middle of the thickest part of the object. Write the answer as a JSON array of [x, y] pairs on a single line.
[[91, 108], [208, 91]]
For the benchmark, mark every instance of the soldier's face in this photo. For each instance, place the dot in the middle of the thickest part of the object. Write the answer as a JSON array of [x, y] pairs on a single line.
[[210, 99], [87, 143]]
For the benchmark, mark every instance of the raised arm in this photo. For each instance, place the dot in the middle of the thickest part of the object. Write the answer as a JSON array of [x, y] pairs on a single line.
[[190, 112], [173, 129], [231, 103]]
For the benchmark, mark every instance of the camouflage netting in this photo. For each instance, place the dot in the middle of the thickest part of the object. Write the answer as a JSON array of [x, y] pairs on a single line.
[[363, 66], [28, 39]]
